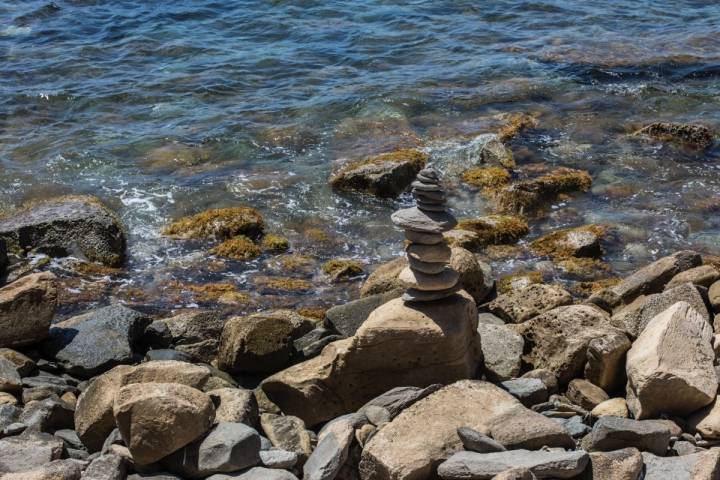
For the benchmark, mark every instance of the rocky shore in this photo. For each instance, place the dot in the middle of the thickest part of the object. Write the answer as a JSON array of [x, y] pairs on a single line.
[[438, 370]]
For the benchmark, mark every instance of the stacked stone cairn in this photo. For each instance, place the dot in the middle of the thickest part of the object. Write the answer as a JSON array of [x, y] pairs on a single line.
[[429, 275]]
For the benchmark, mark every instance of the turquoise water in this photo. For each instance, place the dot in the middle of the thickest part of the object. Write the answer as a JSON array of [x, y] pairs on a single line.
[[167, 108]]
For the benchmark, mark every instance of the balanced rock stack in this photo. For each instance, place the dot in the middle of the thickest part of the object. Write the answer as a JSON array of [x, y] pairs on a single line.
[[429, 275]]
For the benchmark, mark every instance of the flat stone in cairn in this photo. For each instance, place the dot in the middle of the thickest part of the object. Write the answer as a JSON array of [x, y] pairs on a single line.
[[428, 275]]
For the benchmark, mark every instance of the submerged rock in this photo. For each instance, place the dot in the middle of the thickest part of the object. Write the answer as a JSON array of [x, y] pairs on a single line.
[[495, 229], [697, 136], [530, 195], [487, 177], [27, 307], [239, 247], [71, 225], [342, 269], [572, 242], [220, 223]]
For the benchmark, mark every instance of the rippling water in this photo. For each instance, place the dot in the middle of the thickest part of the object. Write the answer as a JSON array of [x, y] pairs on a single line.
[[167, 108]]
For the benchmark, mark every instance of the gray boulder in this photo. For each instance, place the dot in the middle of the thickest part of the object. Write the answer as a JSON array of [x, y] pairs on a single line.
[[399, 398], [68, 469], [288, 433], [106, 467], [194, 333], [530, 391], [10, 380], [255, 473], [29, 451], [347, 318], [531, 301], [544, 464], [696, 466], [613, 433], [331, 452], [236, 405], [278, 458], [47, 415], [502, 350]]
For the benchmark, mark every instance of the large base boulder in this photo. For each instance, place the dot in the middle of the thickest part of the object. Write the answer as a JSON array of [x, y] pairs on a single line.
[[400, 344], [27, 307], [425, 434]]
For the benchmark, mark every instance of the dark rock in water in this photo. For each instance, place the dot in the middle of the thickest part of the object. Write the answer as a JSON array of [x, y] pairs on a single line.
[[29, 451], [475, 441], [168, 354], [696, 136], [27, 307], [347, 318], [74, 342], [70, 225], [613, 433]]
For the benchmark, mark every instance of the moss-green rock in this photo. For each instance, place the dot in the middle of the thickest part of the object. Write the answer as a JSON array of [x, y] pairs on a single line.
[[219, 222], [530, 195], [487, 177], [581, 241], [696, 136], [275, 243], [342, 269], [495, 229], [237, 248]]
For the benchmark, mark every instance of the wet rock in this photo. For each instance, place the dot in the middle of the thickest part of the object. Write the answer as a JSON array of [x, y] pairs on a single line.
[[29, 451], [287, 433], [398, 399], [605, 365], [613, 433], [342, 269], [521, 305], [529, 195], [487, 177], [238, 247], [518, 281], [27, 307], [331, 452], [704, 276], [23, 364], [229, 447], [585, 394], [71, 225], [696, 136], [278, 458], [235, 405], [625, 464], [94, 419], [502, 350], [73, 342], [68, 469], [571, 242], [670, 365], [696, 466], [398, 345], [262, 342], [384, 175], [194, 333], [156, 419], [558, 339], [106, 467], [220, 223], [425, 434], [544, 464], [347, 318], [613, 407], [529, 391], [495, 229], [475, 441]]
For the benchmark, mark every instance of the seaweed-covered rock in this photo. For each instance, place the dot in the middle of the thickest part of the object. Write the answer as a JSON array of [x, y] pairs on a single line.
[[342, 269], [534, 194], [220, 223], [27, 307], [69, 225], [239, 247], [274, 243], [571, 242], [487, 177], [384, 175], [495, 229], [696, 136]]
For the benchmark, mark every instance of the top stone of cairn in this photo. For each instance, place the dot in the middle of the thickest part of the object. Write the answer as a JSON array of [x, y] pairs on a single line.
[[429, 275]]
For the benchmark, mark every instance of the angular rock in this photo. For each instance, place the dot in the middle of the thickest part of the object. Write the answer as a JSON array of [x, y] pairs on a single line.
[[27, 307], [398, 345], [398, 399], [714, 296], [583, 393], [23, 364], [46, 415], [73, 342], [425, 434], [530, 391], [348, 317], [475, 441], [704, 276], [614, 433], [155, 419], [605, 365], [519, 306], [706, 421], [331, 452], [262, 342], [581, 242], [71, 225], [614, 407], [68, 469], [194, 333], [235, 405], [26, 452], [106, 467], [10, 380], [553, 464], [625, 464], [502, 350], [548, 378], [558, 339], [670, 365], [278, 458], [696, 466], [288, 433]]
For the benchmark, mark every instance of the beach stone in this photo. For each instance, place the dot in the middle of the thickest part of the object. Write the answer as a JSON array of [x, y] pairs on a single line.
[[544, 464], [156, 419], [697, 136], [219, 223], [398, 399], [548, 378], [518, 306], [159, 476], [613, 407], [73, 342], [229, 447], [696, 466], [331, 452], [635, 317], [583, 393], [558, 339], [624, 464], [424, 222], [278, 458], [194, 333], [27, 307], [28, 451], [68, 469], [425, 434], [575, 426], [10, 380], [106, 467], [70, 225], [429, 253], [236, 405], [704, 276], [288, 433], [475, 441], [502, 350], [706, 421], [347, 318], [23, 364], [579, 242], [613, 433], [605, 365], [167, 354], [7, 399], [261, 342], [530, 391], [670, 365], [444, 280], [46, 415], [255, 473], [398, 345]]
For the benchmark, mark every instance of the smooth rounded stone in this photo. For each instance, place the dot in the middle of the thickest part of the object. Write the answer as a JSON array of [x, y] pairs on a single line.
[[696, 466], [518, 306], [475, 441], [255, 473], [67, 469], [287, 433], [94, 419], [502, 350], [546, 376], [331, 452], [490, 319], [544, 464], [431, 207], [670, 365], [613, 433], [429, 186], [445, 280], [278, 458], [414, 295], [422, 238], [605, 365], [261, 342], [73, 342], [428, 268], [614, 407], [704, 276], [28, 451], [624, 464], [583, 393], [398, 399], [229, 447], [106, 467], [714, 296], [416, 220], [10, 380], [167, 354], [23, 364], [430, 197], [425, 434], [347, 318], [27, 307], [156, 419], [530, 391], [682, 447], [235, 405]]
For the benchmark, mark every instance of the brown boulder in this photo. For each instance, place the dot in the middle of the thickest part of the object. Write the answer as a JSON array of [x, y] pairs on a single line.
[[518, 306], [27, 307]]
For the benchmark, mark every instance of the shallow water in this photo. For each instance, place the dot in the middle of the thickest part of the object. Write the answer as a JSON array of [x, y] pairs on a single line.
[[168, 108]]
